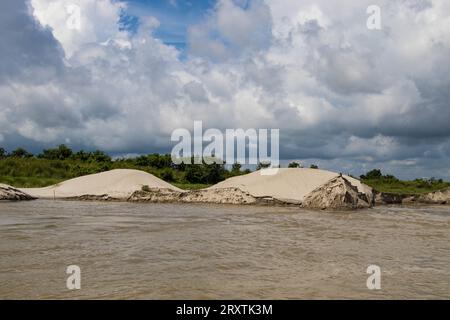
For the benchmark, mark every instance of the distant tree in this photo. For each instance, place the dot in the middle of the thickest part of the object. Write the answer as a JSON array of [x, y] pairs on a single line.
[[372, 175], [263, 165], [60, 153], [294, 164], [167, 175], [2, 153], [194, 173], [215, 173], [99, 156], [81, 155], [313, 166], [21, 153], [142, 161], [179, 167], [205, 173], [390, 177], [236, 168], [64, 152]]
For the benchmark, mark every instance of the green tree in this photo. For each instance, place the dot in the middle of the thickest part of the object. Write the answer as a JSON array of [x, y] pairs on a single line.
[[236, 168], [263, 165], [99, 156], [313, 166], [60, 153], [81, 155], [372, 175], [142, 161], [2, 153], [167, 175], [21, 153], [294, 164], [215, 173], [194, 173]]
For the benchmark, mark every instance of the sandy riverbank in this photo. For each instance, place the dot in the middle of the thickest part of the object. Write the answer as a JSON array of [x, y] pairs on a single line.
[[308, 188], [114, 184]]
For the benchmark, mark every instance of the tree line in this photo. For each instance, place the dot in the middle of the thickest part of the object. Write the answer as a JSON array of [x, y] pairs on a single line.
[[62, 162]]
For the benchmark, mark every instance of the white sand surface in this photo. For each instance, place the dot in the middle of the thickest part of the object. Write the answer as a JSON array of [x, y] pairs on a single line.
[[119, 183], [287, 184]]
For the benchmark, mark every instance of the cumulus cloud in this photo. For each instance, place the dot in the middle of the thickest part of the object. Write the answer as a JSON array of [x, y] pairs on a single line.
[[230, 31], [342, 95]]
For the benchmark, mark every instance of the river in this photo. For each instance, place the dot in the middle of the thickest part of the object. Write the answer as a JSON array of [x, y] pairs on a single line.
[[188, 251]]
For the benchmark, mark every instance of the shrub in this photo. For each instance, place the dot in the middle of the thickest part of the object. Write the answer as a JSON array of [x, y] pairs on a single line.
[[167, 175], [294, 164], [236, 168], [373, 174], [60, 153], [21, 153], [263, 165]]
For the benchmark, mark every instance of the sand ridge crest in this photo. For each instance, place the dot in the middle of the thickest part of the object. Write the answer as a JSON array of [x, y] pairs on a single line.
[[117, 183]]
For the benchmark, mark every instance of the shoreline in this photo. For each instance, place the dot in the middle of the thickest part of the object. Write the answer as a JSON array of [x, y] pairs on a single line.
[[302, 188]]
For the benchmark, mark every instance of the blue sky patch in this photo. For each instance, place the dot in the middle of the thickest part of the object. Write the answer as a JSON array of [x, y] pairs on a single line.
[[175, 17]]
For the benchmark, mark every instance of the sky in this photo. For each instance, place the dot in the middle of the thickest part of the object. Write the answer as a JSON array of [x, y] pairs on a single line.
[[174, 16], [343, 96]]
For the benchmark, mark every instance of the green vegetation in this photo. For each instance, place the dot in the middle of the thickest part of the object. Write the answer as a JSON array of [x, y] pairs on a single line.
[[390, 184], [263, 165], [23, 169], [294, 164], [191, 186]]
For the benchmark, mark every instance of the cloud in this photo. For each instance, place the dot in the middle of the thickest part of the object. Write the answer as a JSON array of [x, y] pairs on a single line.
[[342, 95], [98, 21], [231, 31]]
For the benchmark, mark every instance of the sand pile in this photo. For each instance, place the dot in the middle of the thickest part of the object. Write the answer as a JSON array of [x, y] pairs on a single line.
[[290, 185], [10, 193], [308, 188], [338, 193], [115, 184], [218, 196]]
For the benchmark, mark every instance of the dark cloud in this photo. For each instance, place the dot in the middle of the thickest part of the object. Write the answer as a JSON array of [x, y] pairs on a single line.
[[342, 96], [29, 52]]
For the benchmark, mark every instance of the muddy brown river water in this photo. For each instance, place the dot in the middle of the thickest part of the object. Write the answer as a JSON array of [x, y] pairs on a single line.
[[174, 251]]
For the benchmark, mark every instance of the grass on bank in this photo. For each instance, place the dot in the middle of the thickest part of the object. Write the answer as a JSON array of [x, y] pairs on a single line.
[[25, 170], [191, 186], [407, 187], [35, 172], [29, 182], [390, 184]]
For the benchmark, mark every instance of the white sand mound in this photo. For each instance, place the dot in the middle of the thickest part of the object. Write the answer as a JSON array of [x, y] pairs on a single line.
[[119, 183], [288, 184]]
